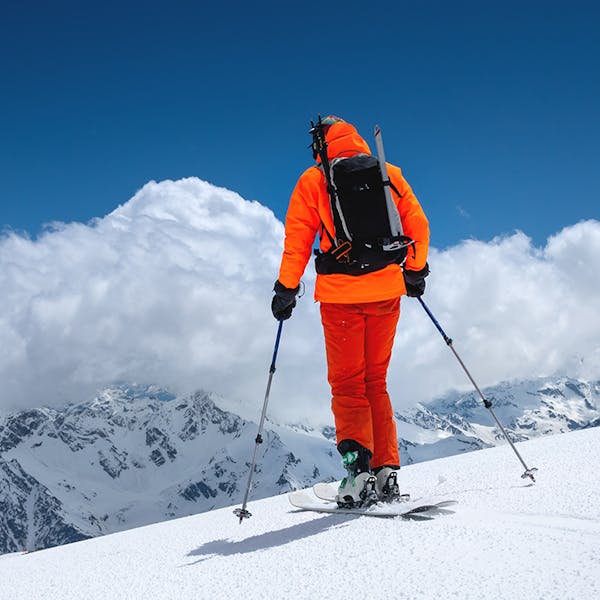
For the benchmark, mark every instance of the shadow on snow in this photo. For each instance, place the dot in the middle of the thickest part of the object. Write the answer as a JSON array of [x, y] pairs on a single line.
[[270, 539]]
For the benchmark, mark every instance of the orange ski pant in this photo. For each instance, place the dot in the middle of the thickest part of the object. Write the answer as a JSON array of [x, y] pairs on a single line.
[[358, 341]]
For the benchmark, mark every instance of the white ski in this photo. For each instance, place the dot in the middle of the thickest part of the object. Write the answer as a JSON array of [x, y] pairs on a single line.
[[396, 225], [302, 500]]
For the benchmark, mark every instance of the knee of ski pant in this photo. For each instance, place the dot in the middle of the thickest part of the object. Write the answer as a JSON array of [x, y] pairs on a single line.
[[352, 388], [376, 387], [346, 379], [381, 405], [376, 367]]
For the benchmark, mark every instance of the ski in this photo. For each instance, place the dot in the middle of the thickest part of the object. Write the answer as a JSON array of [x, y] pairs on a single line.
[[425, 512], [328, 492], [396, 226]]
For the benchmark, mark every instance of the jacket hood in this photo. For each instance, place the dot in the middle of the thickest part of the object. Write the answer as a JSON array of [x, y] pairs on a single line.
[[343, 140]]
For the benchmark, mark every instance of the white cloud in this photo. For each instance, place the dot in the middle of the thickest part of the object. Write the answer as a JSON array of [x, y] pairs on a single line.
[[513, 310], [174, 288]]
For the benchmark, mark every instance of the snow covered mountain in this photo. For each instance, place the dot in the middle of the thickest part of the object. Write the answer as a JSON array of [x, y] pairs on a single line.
[[136, 455], [459, 422], [507, 539]]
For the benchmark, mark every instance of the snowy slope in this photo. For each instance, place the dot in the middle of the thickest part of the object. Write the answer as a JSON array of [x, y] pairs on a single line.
[[507, 539]]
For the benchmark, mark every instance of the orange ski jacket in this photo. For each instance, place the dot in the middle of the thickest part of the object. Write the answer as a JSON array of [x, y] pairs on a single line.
[[309, 213]]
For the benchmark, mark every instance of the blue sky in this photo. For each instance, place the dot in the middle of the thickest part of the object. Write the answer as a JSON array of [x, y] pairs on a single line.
[[491, 109]]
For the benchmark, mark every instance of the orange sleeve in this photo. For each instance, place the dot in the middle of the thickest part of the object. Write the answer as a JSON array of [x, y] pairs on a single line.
[[414, 221], [302, 223]]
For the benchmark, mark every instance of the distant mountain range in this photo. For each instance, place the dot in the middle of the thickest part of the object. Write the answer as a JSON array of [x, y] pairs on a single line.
[[137, 455], [527, 409]]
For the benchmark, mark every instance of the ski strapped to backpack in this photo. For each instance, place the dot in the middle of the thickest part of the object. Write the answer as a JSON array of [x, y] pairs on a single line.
[[368, 232]]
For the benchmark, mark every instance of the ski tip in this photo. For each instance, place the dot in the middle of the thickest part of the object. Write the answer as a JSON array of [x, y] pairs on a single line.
[[325, 491], [377, 131], [413, 516], [444, 503]]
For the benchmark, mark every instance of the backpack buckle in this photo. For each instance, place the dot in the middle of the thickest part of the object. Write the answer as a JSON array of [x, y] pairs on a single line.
[[341, 253]]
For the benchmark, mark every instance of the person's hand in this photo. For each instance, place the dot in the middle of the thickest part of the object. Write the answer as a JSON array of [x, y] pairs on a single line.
[[283, 301], [415, 281]]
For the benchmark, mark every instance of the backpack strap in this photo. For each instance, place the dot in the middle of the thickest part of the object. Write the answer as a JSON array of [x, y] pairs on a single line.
[[393, 187], [337, 215]]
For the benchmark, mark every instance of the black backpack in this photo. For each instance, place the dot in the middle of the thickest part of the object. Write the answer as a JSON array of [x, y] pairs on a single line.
[[368, 233]]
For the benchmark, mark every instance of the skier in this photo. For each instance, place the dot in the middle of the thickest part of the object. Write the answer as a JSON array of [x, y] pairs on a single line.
[[359, 313]]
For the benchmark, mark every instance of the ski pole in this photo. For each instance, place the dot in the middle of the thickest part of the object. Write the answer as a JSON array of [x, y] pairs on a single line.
[[528, 472], [243, 513]]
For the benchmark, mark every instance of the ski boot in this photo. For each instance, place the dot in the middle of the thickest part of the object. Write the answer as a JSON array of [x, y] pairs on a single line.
[[386, 485], [357, 489]]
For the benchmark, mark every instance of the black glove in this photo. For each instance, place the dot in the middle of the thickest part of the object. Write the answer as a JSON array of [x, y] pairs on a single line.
[[283, 301], [415, 281]]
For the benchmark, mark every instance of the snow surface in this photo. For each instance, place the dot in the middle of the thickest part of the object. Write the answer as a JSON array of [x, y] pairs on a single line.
[[507, 539]]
